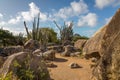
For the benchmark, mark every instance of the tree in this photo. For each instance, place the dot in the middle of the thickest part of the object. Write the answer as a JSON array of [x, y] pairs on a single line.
[[6, 37], [78, 36], [51, 34]]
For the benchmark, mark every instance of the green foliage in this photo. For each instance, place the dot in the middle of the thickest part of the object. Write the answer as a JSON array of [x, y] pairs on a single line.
[[8, 77], [19, 39], [6, 38], [50, 33], [77, 37], [66, 32]]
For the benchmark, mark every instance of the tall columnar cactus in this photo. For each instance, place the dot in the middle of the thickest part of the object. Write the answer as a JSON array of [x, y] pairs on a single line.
[[37, 33], [66, 32], [35, 30], [28, 34]]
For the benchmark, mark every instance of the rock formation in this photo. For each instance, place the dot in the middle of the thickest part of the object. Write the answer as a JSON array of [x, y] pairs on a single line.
[[35, 64], [79, 44], [108, 67]]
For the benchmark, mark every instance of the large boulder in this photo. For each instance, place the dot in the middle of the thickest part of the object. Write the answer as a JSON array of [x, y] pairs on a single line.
[[93, 46], [108, 67], [67, 42], [11, 50], [24, 62], [49, 55], [2, 60], [57, 48], [68, 50], [79, 44], [32, 45]]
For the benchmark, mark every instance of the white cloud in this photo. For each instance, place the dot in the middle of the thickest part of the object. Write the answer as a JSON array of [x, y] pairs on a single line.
[[15, 20], [104, 3], [28, 15], [2, 23], [75, 9], [107, 20], [89, 20], [33, 12], [1, 15]]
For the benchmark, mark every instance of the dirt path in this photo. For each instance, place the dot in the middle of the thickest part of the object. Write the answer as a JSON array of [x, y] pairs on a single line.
[[63, 72]]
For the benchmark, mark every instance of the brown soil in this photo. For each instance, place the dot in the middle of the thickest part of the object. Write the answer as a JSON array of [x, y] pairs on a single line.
[[61, 70]]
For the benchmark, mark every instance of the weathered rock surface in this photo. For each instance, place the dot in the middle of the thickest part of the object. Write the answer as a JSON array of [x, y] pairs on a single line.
[[21, 57], [79, 44], [68, 50], [93, 46], [49, 55], [67, 42], [11, 50], [2, 60], [57, 48], [108, 67], [37, 52], [32, 45]]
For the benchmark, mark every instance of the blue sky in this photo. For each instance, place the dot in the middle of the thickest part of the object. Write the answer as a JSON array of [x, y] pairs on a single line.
[[88, 15]]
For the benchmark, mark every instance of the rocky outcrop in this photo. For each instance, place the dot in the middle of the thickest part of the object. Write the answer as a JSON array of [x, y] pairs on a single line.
[[49, 55], [35, 64], [93, 46], [10, 50], [32, 45], [108, 67], [68, 50], [79, 44], [2, 60]]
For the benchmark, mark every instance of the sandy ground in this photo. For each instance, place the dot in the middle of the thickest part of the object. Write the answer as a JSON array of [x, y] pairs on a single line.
[[62, 71]]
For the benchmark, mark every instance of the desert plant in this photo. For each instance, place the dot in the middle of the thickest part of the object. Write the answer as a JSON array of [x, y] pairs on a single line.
[[37, 33], [35, 30], [66, 32], [6, 38]]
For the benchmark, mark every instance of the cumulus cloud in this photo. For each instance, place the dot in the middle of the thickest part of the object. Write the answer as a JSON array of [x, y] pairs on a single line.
[[89, 20], [1, 15], [2, 23], [33, 12], [75, 9], [28, 15], [104, 3], [15, 20]]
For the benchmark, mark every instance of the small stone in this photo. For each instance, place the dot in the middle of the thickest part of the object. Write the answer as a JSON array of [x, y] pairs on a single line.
[[94, 59], [74, 65]]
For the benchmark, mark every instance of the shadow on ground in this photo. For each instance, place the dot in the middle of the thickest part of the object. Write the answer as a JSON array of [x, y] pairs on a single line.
[[60, 60]]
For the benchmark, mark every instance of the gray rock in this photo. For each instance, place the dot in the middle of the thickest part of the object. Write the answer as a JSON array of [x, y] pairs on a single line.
[[49, 55], [79, 44], [68, 50], [37, 52], [94, 59], [32, 45], [35, 64], [74, 65], [11, 50]]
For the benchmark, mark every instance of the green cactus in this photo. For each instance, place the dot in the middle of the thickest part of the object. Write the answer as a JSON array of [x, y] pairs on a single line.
[[37, 33], [66, 32]]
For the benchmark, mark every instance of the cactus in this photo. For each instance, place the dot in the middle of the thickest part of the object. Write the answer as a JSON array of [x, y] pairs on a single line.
[[35, 30], [28, 34], [37, 33], [66, 32]]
